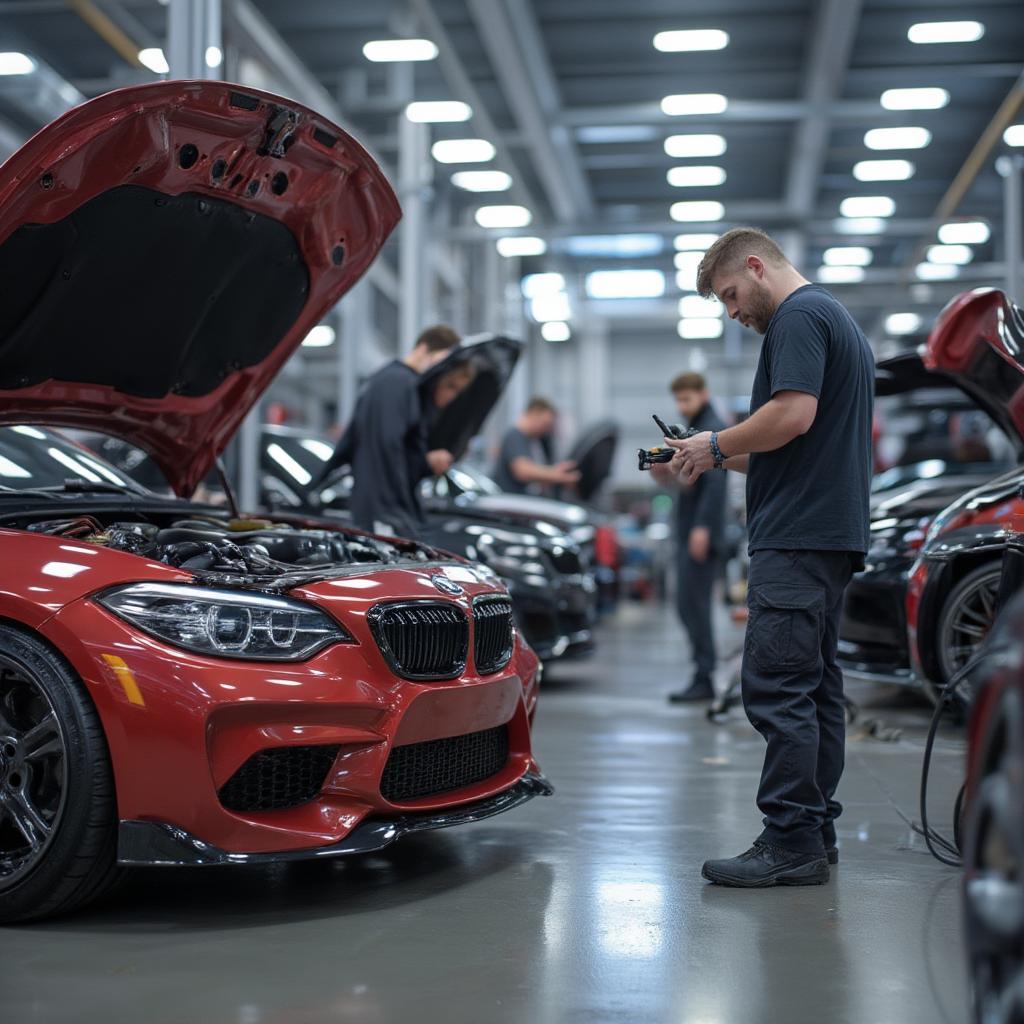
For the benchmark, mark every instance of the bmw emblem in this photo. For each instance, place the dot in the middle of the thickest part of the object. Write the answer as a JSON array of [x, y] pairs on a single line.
[[447, 586]]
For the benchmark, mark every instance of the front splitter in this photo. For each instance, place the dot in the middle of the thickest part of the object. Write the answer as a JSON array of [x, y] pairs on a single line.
[[151, 843]]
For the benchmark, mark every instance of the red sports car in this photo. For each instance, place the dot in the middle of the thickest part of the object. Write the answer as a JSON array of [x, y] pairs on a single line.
[[978, 342], [178, 686]]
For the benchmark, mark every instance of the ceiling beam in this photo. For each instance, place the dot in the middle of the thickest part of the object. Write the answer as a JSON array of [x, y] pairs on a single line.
[[462, 88], [830, 45], [516, 52]]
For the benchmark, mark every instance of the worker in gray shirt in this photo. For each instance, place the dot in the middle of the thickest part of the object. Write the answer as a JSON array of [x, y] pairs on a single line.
[[806, 450], [521, 462]]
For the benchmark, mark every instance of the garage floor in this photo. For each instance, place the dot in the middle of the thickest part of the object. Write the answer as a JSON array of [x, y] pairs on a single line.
[[586, 907]]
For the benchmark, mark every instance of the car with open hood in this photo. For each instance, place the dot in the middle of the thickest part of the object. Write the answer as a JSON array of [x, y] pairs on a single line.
[[905, 500], [179, 684]]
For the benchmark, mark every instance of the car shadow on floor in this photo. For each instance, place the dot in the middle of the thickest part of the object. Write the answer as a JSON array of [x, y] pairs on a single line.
[[416, 868]]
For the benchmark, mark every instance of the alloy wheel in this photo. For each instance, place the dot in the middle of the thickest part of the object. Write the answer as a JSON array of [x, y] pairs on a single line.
[[32, 772], [968, 622]]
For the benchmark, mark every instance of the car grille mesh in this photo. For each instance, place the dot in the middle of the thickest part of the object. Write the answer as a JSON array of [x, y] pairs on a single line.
[[273, 780], [422, 641], [493, 634], [439, 766]]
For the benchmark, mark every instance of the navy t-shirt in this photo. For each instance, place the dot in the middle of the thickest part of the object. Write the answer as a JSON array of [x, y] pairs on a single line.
[[812, 493]]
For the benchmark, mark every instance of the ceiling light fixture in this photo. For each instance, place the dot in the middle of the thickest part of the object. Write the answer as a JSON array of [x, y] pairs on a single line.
[[553, 306], [698, 176], [840, 275], [482, 181], [683, 104], [965, 232], [438, 111], [690, 40], [320, 336], [859, 225], [946, 32], [902, 323], [521, 245], [883, 170], [386, 51], [705, 211], [462, 151], [503, 216], [555, 330], [1014, 135], [153, 58], [848, 256], [956, 255], [683, 146], [867, 206], [937, 271], [700, 327], [914, 99], [625, 284], [700, 241], [897, 138], [696, 306], [534, 285]]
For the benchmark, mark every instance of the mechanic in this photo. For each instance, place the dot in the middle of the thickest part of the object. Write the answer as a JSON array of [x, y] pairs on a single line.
[[806, 450], [700, 536], [521, 460], [386, 446]]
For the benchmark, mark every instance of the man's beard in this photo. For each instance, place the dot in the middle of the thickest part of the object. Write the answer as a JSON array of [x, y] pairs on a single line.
[[761, 308]]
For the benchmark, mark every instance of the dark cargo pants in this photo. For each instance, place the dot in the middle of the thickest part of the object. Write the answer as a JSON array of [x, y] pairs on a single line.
[[793, 689], [694, 583]]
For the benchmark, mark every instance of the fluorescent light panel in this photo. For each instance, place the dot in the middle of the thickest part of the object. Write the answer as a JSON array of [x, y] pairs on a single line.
[[914, 99], [867, 206], [535, 285], [965, 232], [689, 40], [683, 146], [696, 306], [382, 51], [1014, 135], [151, 57], [623, 246], [599, 134], [840, 275], [521, 245], [683, 104], [555, 330], [699, 241], [696, 176], [625, 284], [883, 170], [554, 306], [957, 255], [937, 271], [482, 181], [698, 211], [897, 138], [859, 225], [946, 32], [438, 111], [319, 337], [503, 216], [687, 260], [902, 323], [462, 151], [848, 256], [700, 327]]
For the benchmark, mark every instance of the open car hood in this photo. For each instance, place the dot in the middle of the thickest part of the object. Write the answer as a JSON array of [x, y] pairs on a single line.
[[594, 453], [164, 249], [978, 343], [494, 357]]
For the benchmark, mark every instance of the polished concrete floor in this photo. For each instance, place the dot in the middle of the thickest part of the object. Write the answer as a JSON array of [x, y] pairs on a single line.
[[585, 907]]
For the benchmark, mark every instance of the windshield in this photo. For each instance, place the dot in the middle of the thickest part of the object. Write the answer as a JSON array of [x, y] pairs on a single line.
[[301, 459], [469, 479], [34, 457]]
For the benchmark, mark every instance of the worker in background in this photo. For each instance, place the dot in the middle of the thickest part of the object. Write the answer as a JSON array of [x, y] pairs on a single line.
[[521, 460], [386, 442], [700, 535]]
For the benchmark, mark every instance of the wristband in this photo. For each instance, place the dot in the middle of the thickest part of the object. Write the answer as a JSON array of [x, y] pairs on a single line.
[[716, 452]]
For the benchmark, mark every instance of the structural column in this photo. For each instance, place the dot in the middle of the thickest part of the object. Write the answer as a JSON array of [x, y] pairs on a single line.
[[194, 45], [1012, 168], [413, 254]]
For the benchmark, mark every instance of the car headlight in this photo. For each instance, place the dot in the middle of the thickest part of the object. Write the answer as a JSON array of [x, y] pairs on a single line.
[[226, 623]]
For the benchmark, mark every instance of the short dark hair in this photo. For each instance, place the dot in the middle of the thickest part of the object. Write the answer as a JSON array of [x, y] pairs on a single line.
[[688, 382], [539, 404], [438, 338], [732, 249]]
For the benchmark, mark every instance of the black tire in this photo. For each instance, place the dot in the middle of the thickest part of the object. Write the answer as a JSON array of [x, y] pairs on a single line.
[[58, 811], [994, 868], [967, 615]]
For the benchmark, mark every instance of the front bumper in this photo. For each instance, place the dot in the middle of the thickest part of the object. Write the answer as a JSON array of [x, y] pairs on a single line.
[[150, 843]]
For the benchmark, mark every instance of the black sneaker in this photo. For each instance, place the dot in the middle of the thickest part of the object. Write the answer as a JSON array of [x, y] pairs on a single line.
[[699, 689], [765, 864], [828, 837]]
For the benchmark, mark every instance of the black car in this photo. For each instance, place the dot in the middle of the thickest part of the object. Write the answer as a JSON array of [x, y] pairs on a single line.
[[873, 634]]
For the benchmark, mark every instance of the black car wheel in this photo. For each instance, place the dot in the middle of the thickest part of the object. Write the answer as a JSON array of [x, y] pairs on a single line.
[[967, 616], [994, 862], [58, 830]]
